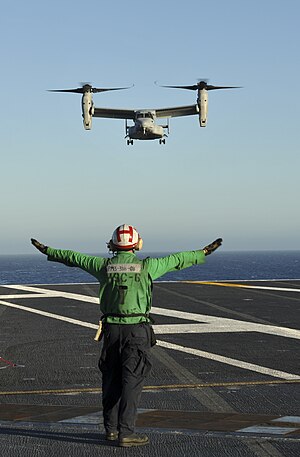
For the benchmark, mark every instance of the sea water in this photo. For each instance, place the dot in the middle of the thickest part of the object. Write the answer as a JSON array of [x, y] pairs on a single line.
[[237, 265]]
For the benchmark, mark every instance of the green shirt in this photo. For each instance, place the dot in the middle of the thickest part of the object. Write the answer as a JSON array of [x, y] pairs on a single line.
[[125, 280]]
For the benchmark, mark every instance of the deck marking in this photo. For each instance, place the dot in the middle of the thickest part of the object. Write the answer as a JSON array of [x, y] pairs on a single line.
[[229, 361], [288, 419], [207, 324], [55, 293], [204, 354], [160, 387], [37, 295], [244, 286], [46, 314], [217, 324], [95, 299], [267, 429]]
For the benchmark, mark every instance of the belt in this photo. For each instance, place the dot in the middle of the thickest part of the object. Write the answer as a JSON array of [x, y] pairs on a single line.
[[99, 333], [147, 315]]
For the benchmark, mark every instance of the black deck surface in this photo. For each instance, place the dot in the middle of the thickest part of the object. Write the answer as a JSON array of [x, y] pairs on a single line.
[[225, 378]]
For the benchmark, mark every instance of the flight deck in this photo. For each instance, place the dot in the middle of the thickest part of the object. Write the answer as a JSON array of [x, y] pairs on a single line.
[[225, 378]]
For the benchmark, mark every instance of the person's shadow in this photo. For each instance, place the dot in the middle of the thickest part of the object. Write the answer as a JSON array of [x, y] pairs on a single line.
[[72, 437]]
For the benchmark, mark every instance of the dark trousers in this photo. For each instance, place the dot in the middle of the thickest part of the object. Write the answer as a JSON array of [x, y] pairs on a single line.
[[124, 363]]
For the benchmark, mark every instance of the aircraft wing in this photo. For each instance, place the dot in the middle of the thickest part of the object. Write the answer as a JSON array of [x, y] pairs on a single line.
[[177, 111], [114, 113]]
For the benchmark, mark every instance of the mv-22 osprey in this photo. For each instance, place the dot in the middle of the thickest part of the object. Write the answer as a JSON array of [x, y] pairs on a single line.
[[145, 127]]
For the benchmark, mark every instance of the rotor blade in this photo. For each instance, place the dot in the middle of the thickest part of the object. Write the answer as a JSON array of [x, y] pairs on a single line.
[[202, 85], [95, 89], [75, 91], [222, 87], [194, 87], [89, 88]]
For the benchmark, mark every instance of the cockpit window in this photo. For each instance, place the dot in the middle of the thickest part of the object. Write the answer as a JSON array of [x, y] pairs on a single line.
[[144, 115]]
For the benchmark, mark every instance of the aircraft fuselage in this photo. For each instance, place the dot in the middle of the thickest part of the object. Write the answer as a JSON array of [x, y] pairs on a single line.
[[144, 127]]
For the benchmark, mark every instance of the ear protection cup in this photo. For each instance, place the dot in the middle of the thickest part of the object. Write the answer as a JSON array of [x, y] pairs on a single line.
[[139, 245]]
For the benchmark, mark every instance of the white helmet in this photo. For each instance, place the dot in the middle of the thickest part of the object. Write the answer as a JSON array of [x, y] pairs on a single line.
[[125, 238]]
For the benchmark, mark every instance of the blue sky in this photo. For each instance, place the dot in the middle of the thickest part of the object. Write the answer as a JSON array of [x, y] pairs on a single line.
[[237, 178]]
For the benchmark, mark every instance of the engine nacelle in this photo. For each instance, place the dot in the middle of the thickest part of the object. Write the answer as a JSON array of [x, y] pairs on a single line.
[[87, 109], [202, 101]]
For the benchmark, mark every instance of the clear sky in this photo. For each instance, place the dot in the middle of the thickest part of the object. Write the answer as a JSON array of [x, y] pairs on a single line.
[[238, 178]]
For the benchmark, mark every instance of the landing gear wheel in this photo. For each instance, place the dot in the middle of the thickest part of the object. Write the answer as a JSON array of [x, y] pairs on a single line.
[[129, 142], [162, 141]]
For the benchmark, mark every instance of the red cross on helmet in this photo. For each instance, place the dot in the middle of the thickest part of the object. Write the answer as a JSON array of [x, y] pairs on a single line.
[[125, 238]]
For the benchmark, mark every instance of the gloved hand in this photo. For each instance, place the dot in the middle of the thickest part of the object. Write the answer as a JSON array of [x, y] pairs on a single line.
[[41, 247], [212, 246]]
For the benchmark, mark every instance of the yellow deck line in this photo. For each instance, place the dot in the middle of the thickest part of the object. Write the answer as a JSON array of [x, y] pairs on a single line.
[[244, 286], [161, 387], [222, 284]]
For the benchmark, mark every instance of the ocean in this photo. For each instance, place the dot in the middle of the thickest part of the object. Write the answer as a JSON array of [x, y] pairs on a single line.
[[238, 265]]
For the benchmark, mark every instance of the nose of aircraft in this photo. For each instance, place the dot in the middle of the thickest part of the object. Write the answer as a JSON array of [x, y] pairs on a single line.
[[145, 124]]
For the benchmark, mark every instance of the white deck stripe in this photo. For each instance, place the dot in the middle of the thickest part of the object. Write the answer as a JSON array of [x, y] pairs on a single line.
[[229, 361], [225, 323], [56, 293], [46, 314], [204, 354], [213, 323], [280, 289], [11, 297], [212, 283], [267, 429]]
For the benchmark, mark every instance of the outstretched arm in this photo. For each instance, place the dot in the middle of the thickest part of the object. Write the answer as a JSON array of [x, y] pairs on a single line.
[[90, 264], [159, 266]]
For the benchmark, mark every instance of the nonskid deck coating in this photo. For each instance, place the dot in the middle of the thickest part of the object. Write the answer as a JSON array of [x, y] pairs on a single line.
[[269, 310]]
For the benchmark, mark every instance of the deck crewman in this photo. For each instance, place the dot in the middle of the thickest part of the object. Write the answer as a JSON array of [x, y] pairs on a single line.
[[125, 301]]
